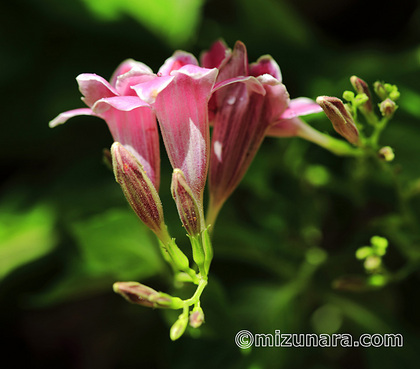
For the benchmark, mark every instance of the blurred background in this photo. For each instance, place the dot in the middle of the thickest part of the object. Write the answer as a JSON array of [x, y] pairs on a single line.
[[285, 242]]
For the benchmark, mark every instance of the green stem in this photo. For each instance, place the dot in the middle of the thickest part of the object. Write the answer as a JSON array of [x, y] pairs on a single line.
[[332, 144], [379, 127], [196, 297], [175, 257]]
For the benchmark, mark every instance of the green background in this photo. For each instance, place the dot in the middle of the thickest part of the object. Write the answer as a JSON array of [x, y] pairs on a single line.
[[285, 238]]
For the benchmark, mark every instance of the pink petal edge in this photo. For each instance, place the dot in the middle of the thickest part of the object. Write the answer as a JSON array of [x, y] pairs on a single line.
[[63, 117], [122, 103], [299, 107]]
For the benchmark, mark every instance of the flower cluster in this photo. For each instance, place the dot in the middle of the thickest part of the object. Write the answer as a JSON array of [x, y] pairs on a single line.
[[243, 102]]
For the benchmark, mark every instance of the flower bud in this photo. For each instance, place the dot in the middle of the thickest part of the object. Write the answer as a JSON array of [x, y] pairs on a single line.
[[138, 188], [361, 87], [186, 204], [363, 252], [387, 108], [372, 263], [348, 95], [178, 329], [340, 117], [139, 294], [196, 317], [386, 153], [380, 90], [379, 244]]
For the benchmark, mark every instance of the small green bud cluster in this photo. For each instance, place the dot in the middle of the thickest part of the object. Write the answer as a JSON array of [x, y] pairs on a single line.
[[345, 120], [372, 259]]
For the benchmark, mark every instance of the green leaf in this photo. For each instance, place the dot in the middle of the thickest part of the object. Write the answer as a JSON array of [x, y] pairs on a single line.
[[114, 246], [175, 21], [24, 236]]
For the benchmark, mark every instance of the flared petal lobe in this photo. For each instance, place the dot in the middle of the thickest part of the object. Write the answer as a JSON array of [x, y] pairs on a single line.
[[216, 56], [64, 117], [177, 61]]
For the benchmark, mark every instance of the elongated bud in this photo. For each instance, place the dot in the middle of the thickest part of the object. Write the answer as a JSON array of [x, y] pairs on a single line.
[[178, 329], [361, 87], [387, 108], [340, 118], [185, 202], [196, 317], [138, 188], [139, 294]]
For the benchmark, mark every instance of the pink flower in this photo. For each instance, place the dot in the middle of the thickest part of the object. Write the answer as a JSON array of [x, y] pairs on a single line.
[[249, 102], [130, 120], [179, 95]]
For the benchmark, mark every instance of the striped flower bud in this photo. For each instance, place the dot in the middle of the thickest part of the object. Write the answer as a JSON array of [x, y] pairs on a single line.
[[139, 294], [340, 117], [361, 87], [138, 188], [187, 206]]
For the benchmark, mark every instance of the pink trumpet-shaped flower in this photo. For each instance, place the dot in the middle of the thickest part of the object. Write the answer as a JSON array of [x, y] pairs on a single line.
[[130, 120], [179, 96], [249, 101]]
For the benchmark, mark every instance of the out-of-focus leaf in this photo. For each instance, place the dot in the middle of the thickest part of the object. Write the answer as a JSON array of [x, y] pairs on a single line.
[[24, 236], [410, 101], [266, 14], [117, 244], [114, 246], [173, 20]]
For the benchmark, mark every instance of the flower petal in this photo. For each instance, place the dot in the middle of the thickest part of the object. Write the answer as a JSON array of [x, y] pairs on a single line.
[[285, 128], [299, 107], [122, 103], [251, 83], [126, 66], [137, 131], [265, 65], [148, 91], [176, 61], [138, 74], [236, 65], [94, 87], [216, 56], [63, 117]]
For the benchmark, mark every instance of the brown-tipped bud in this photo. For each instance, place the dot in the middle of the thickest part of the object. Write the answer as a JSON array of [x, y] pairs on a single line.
[[340, 117], [361, 87], [380, 90], [387, 108], [186, 203], [135, 293], [137, 187], [139, 294], [196, 317], [386, 153]]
